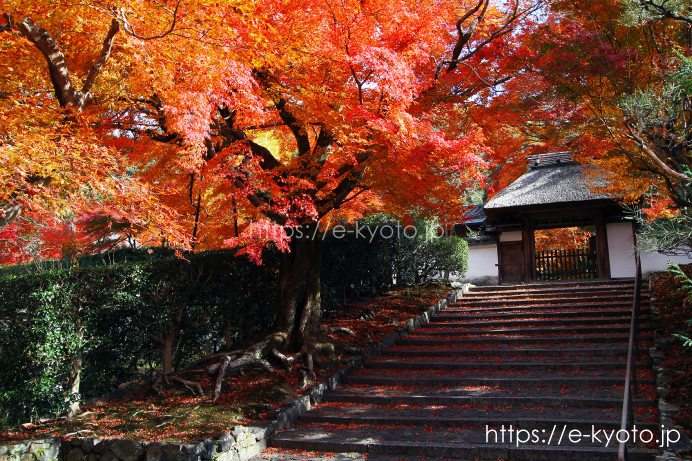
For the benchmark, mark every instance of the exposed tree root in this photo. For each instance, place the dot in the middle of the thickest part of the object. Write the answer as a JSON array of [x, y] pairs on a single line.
[[285, 361], [237, 360], [156, 386], [221, 369], [347, 331], [187, 384], [324, 352]]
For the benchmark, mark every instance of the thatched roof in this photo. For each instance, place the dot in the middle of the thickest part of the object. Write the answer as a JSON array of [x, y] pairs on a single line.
[[555, 181]]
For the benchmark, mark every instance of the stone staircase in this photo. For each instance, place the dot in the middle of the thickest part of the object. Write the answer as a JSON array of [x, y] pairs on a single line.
[[526, 372]]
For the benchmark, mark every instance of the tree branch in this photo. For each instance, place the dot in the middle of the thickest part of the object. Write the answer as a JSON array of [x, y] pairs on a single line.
[[103, 57], [643, 145], [65, 92], [465, 34], [232, 134], [323, 142], [341, 191], [157, 339], [665, 12], [10, 21], [129, 30], [296, 128]]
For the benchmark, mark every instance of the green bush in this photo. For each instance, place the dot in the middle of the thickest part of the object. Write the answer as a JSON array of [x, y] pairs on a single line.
[[378, 252], [45, 323], [118, 313], [111, 316]]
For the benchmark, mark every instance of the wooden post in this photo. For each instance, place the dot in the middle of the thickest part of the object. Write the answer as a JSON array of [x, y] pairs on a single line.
[[602, 247], [499, 261], [529, 251]]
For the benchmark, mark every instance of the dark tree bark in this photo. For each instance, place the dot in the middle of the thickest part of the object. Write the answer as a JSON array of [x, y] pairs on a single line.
[[68, 96], [299, 287], [164, 346]]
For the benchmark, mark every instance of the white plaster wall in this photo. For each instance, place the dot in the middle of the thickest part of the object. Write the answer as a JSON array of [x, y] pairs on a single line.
[[620, 249], [621, 253], [482, 268], [482, 260], [655, 262], [512, 236]]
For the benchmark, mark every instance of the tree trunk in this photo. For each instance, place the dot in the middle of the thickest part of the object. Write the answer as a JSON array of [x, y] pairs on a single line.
[[193, 241], [166, 351], [227, 332], [299, 288], [73, 383]]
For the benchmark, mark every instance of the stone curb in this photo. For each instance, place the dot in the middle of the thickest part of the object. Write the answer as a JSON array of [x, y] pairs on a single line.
[[666, 410], [241, 444]]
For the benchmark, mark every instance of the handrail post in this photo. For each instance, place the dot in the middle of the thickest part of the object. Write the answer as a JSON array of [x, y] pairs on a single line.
[[627, 420], [634, 377], [631, 412]]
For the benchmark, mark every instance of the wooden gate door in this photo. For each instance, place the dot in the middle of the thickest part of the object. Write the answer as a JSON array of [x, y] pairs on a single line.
[[511, 266]]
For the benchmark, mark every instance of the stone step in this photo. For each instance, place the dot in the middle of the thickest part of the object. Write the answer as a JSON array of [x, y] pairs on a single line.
[[567, 285], [545, 357], [488, 381], [525, 331], [510, 290], [470, 302], [530, 423], [625, 313], [611, 393], [435, 323], [643, 415], [551, 294], [418, 341], [506, 400], [560, 374], [507, 356], [506, 366], [280, 454], [524, 352], [508, 346], [529, 308], [450, 443]]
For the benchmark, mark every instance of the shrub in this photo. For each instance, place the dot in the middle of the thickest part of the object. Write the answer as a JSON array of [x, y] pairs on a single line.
[[111, 318], [121, 316]]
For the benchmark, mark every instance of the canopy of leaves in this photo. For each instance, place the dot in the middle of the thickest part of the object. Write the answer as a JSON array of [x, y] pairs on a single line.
[[184, 122], [606, 80]]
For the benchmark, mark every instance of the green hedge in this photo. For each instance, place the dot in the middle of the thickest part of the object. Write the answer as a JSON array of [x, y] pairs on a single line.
[[107, 314], [107, 309], [365, 258]]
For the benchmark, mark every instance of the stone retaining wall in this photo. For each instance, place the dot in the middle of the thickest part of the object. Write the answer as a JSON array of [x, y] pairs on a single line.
[[242, 443], [239, 444], [666, 410]]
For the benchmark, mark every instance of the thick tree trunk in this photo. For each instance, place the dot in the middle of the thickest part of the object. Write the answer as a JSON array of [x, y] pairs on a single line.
[[298, 322], [73, 383], [299, 290], [166, 351], [227, 333]]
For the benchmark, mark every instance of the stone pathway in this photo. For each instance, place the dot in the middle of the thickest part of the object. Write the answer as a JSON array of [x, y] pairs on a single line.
[[532, 372]]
